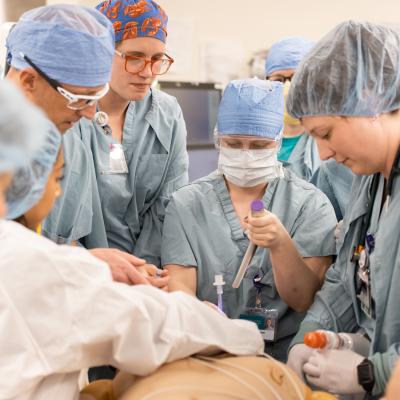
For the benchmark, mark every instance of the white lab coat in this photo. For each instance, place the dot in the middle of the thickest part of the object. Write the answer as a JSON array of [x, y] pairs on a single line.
[[60, 312]]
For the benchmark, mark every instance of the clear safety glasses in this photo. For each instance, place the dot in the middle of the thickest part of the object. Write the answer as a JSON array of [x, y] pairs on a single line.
[[235, 141], [136, 64], [75, 101]]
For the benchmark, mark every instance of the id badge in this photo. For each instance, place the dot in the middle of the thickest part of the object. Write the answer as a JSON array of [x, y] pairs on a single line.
[[364, 295], [117, 163], [265, 319]]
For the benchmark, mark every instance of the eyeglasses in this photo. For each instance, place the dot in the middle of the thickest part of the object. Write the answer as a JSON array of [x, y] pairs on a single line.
[[280, 78], [136, 64], [75, 101]]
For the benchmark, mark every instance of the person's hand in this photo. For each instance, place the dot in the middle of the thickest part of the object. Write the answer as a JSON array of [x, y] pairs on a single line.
[[157, 277], [266, 231], [334, 371], [298, 356], [123, 266]]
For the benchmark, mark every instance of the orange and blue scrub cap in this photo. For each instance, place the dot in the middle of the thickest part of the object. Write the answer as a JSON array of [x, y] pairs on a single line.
[[251, 107], [353, 71], [71, 44], [135, 18], [286, 54]]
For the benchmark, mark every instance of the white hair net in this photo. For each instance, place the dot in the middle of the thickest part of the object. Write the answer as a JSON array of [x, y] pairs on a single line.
[[353, 71], [29, 182]]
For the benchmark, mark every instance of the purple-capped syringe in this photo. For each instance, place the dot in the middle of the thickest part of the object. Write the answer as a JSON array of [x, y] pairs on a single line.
[[257, 210]]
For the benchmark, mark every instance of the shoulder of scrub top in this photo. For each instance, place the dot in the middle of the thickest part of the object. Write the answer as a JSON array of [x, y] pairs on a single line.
[[198, 189]]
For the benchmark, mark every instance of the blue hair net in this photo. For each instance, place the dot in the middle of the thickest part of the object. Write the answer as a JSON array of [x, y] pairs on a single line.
[[29, 182], [286, 54], [353, 71], [251, 107], [71, 44], [22, 128]]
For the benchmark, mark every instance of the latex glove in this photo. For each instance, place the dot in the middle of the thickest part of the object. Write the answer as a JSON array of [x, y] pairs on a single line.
[[123, 266], [334, 371], [266, 231], [298, 356], [157, 277]]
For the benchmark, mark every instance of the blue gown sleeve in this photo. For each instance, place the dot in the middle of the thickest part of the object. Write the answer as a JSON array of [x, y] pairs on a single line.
[[71, 217]]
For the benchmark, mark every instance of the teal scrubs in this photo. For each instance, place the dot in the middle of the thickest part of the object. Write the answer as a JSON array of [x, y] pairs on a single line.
[[287, 146], [336, 307], [202, 230], [335, 180], [304, 158], [126, 210], [71, 217]]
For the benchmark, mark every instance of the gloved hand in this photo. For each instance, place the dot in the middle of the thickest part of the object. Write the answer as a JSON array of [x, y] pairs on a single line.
[[334, 371], [298, 356]]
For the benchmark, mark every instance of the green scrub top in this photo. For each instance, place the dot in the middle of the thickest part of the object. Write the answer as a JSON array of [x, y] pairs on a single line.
[[202, 230]]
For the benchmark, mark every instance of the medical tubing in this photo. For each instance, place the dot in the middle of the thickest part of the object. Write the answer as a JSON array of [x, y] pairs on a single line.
[[257, 210], [220, 302], [236, 378], [219, 284]]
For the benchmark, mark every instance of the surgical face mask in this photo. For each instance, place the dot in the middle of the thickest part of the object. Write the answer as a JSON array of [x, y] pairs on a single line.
[[247, 168], [287, 118]]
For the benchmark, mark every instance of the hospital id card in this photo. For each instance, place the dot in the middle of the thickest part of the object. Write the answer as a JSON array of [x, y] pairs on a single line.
[[117, 163], [265, 319]]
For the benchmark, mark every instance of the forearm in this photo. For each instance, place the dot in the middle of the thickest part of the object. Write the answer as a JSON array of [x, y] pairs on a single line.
[[182, 279], [295, 281]]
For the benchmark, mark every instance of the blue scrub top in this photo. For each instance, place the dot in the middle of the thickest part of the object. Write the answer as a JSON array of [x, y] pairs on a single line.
[[336, 306], [202, 230], [335, 180], [126, 210], [304, 159]]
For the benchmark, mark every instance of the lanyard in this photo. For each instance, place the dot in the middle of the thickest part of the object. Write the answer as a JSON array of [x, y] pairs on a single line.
[[366, 244], [363, 236]]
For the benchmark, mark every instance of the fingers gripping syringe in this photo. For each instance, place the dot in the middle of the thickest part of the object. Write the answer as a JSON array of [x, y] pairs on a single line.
[[257, 209]]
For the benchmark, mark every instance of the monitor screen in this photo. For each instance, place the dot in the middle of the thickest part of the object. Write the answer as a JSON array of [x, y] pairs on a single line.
[[199, 103]]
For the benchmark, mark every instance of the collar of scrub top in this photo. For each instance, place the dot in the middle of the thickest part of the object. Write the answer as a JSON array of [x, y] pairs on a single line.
[[364, 236], [71, 97]]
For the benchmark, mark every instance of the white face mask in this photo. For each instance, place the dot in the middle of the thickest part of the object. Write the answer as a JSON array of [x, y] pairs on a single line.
[[247, 168]]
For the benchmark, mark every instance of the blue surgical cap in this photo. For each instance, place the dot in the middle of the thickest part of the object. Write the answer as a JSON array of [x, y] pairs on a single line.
[[29, 182], [251, 107], [22, 128], [71, 44], [353, 71], [286, 54]]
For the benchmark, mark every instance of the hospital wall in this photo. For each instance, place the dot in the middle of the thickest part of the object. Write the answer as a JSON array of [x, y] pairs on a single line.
[[214, 40], [242, 27]]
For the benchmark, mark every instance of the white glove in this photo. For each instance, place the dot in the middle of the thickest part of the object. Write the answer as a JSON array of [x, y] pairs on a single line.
[[298, 356], [334, 371]]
